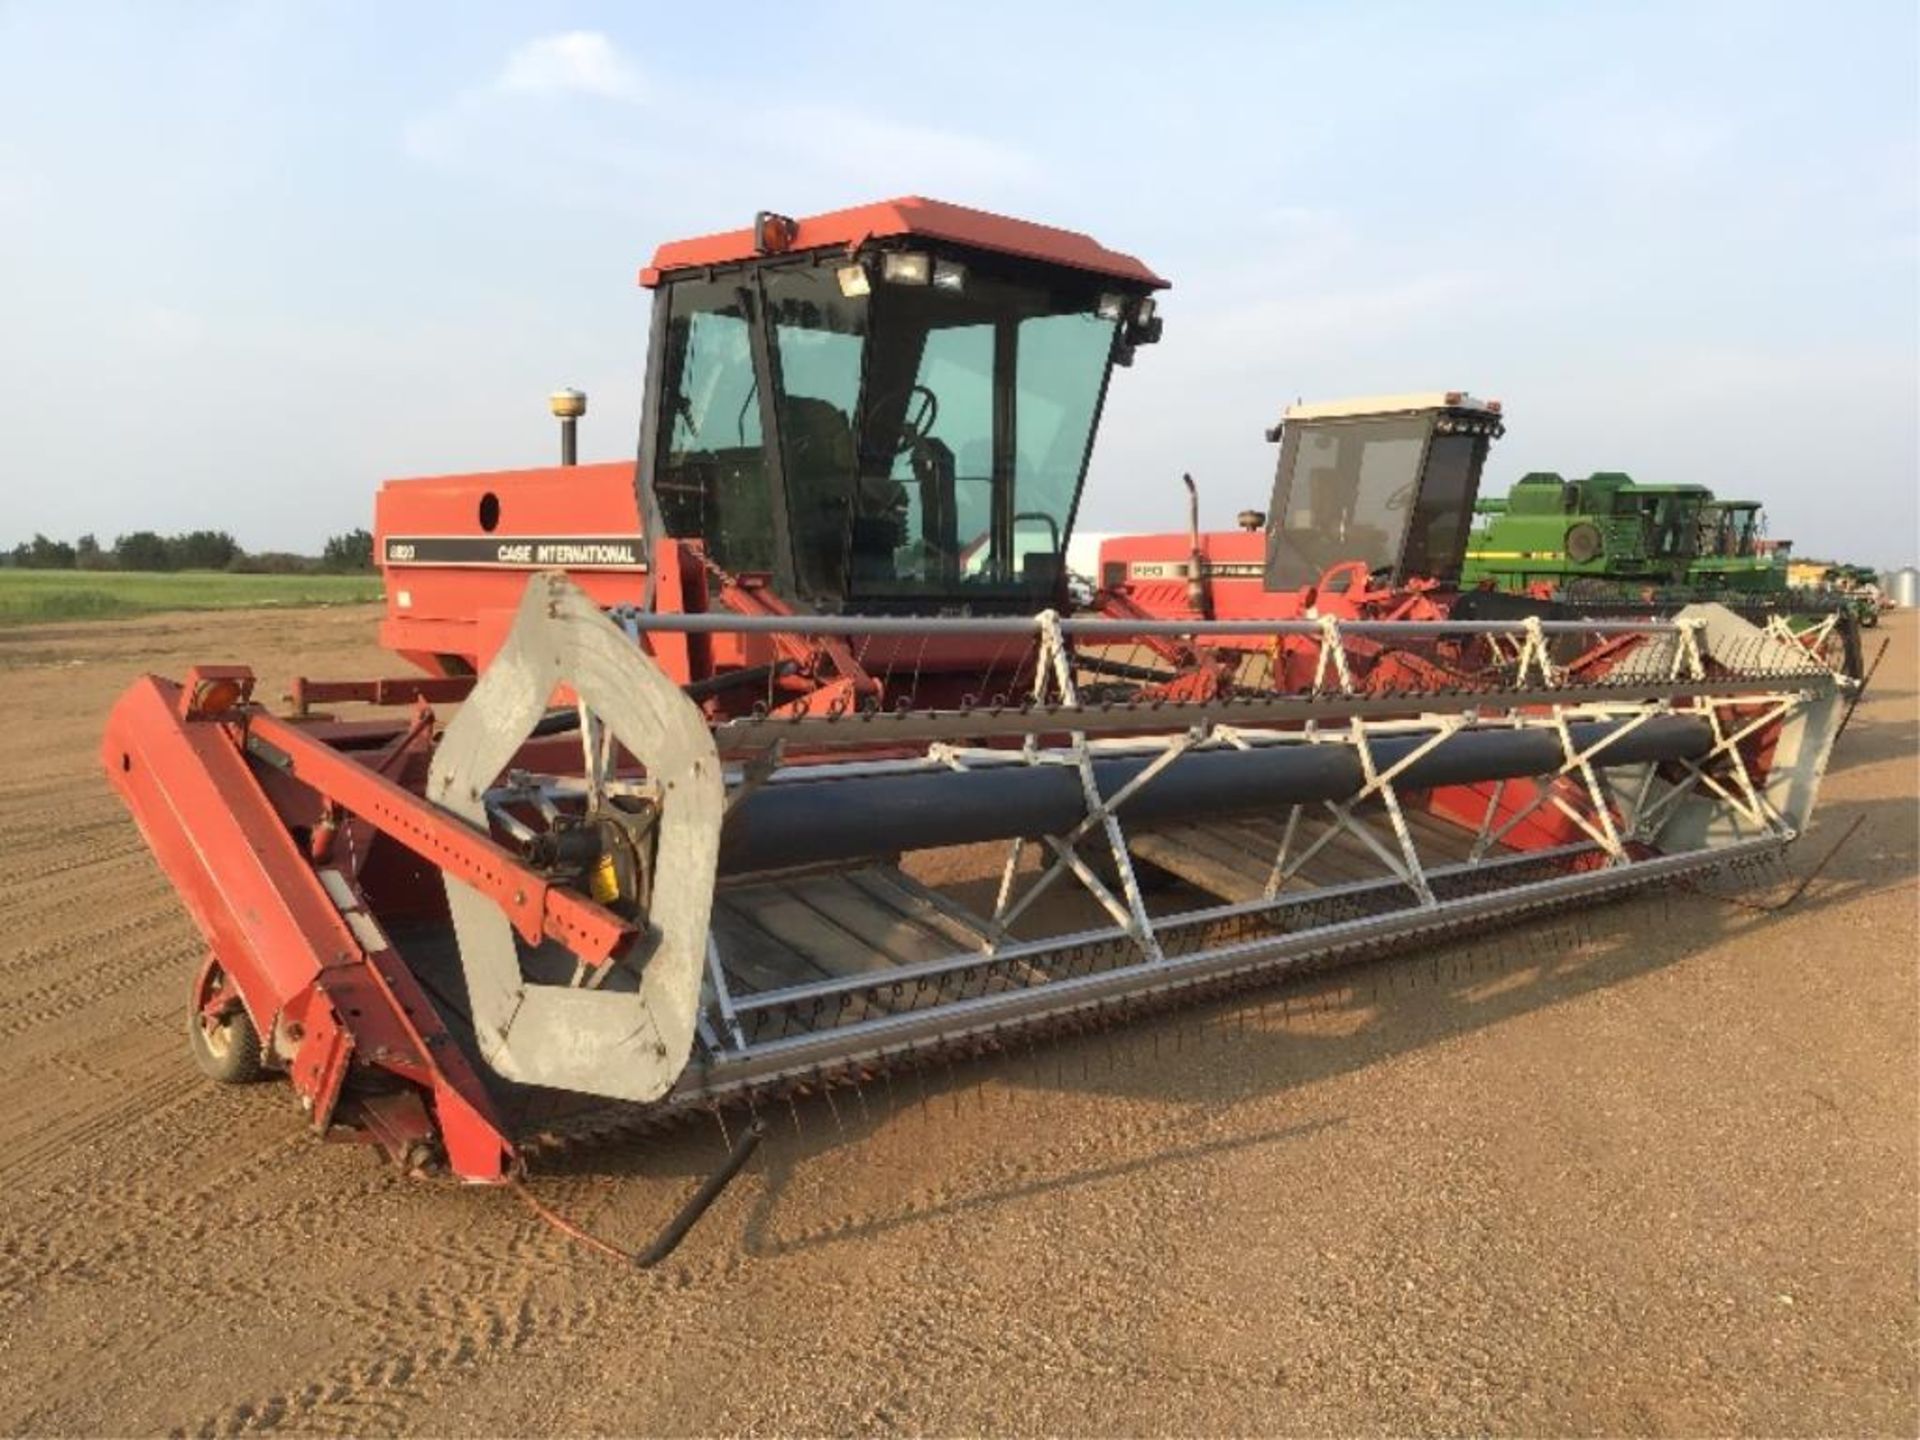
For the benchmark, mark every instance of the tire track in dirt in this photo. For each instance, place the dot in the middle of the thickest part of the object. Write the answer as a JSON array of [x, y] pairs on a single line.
[[213, 1137], [136, 1102], [61, 796], [86, 987], [479, 1306], [71, 817], [51, 909], [163, 1233], [1002, 1176], [374, 1397], [123, 845]]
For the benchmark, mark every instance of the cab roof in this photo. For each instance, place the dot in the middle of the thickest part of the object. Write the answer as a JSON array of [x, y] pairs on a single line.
[[1419, 400], [910, 216]]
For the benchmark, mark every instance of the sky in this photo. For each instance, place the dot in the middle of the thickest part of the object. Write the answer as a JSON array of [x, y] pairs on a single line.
[[258, 257]]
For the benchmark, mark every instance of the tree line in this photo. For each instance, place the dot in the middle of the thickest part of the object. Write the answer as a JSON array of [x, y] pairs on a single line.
[[189, 550]]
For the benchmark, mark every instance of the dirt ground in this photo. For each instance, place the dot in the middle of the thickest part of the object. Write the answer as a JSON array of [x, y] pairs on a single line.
[[1652, 1171]]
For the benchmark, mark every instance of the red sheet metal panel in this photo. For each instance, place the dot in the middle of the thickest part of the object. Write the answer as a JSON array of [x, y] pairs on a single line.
[[269, 922], [913, 215]]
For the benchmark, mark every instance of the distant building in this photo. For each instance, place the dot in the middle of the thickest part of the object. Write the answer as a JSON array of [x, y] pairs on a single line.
[[1083, 553]]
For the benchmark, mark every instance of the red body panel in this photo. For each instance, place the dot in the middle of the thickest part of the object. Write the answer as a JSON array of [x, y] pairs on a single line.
[[443, 617], [449, 617], [1150, 577], [1152, 569]]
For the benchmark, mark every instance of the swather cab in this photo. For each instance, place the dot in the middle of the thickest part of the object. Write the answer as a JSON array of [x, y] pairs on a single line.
[[1369, 494], [883, 410]]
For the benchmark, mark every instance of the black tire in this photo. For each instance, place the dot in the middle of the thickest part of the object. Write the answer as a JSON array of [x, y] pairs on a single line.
[[1845, 653], [227, 1052], [1591, 590]]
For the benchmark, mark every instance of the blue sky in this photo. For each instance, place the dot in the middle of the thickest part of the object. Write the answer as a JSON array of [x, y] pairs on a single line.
[[258, 257]]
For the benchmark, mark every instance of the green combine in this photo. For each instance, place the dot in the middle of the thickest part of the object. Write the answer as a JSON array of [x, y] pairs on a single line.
[[1609, 533], [1610, 541]]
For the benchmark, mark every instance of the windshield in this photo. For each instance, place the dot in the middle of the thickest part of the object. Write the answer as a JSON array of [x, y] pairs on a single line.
[[1727, 532], [1437, 536], [961, 422], [1669, 520], [710, 479], [1747, 529], [1344, 492], [933, 437]]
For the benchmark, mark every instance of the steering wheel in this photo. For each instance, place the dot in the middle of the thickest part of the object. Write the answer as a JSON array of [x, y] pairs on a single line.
[[917, 418]]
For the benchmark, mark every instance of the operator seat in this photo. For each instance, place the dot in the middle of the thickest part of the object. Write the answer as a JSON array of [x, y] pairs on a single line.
[[822, 467]]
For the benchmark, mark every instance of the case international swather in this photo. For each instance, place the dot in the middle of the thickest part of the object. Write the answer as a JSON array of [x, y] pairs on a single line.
[[772, 761]]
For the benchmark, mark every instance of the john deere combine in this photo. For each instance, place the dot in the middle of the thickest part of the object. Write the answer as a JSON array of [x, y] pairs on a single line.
[[1610, 544], [1608, 532]]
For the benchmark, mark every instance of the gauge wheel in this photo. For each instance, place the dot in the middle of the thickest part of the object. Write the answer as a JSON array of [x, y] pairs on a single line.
[[220, 1033], [1584, 543]]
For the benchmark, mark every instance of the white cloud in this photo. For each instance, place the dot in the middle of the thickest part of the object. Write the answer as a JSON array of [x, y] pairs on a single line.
[[814, 155], [579, 62]]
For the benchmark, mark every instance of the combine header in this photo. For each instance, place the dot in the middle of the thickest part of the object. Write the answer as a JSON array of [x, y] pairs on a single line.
[[797, 774]]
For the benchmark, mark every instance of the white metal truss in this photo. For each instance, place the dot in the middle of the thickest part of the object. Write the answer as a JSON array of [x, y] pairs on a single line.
[[1617, 814]]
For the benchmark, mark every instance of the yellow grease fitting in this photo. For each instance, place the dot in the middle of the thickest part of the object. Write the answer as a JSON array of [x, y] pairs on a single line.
[[604, 883]]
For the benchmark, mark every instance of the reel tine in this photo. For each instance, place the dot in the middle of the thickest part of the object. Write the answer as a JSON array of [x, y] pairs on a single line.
[[920, 1089], [860, 1094]]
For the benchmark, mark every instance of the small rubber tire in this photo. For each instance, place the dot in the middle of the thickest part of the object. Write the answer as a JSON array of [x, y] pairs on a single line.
[[228, 1053]]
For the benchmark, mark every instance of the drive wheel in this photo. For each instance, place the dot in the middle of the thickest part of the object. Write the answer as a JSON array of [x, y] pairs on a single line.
[[220, 1034], [1590, 590]]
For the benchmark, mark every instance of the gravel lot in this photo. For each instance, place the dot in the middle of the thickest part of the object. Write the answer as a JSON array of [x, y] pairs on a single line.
[[1653, 1171]]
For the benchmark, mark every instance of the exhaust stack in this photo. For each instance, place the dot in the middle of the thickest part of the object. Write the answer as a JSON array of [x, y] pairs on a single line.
[[1198, 595], [568, 405]]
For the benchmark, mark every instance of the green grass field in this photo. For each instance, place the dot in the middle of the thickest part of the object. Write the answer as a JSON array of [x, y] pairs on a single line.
[[30, 597]]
